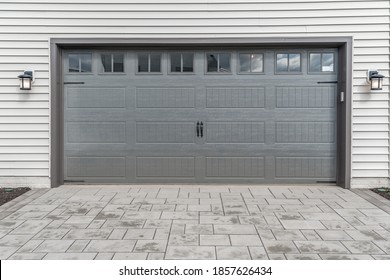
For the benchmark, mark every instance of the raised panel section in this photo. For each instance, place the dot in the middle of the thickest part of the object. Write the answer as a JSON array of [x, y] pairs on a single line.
[[96, 98], [235, 97], [305, 132], [165, 132], [305, 167], [235, 132], [250, 167], [162, 97], [165, 167], [96, 132], [96, 166], [305, 97]]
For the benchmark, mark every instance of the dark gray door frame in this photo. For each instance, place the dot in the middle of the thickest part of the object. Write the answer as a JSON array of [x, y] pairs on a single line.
[[344, 109]]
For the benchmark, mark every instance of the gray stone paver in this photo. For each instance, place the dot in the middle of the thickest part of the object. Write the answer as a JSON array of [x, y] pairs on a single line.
[[195, 222]]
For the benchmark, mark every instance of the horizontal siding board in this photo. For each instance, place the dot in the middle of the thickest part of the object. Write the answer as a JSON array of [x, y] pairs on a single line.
[[12, 135], [21, 165], [24, 142], [21, 172], [370, 158], [25, 46], [24, 157]]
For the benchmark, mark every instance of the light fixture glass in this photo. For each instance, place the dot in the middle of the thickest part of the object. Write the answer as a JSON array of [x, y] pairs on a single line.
[[375, 79], [26, 80]]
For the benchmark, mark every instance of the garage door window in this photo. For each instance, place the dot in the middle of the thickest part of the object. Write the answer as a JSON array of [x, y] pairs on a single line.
[[321, 62], [288, 62], [80, 63], [251, 62], [112, 63], [149, 63], [182, 62], [218, 63]]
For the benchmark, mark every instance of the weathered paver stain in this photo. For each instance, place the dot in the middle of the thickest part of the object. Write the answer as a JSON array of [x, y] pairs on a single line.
[[196, 222]]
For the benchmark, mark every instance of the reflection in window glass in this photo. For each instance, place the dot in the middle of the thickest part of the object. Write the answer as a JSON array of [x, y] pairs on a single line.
[[175, 62], [106, 62], [73, 62], [212, 62], [256, 63], [143, 62], [155, 62], [224, 62], [321, 62], [251, 63], [294, 61], [282, 62], [118, 64], [315, 62], [245, 62], [112, 63], [188, 62], [218, 62], [327, 62], [80, 62], [288, 62], [86, 62], [182, 62]]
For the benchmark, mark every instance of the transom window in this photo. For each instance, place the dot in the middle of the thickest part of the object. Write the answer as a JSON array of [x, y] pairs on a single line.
[[321, 62], [149, 63], [112, 63], [182, 62], [251, 62], [81, 62], [218, 63], [288, 62]]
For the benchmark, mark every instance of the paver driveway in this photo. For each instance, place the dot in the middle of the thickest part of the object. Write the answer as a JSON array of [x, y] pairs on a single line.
[[195, 222]]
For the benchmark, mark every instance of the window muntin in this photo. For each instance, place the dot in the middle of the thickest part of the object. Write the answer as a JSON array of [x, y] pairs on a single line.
[[80, 63], [218, 63], [288, 62], [149, 63], [321, 62], [112, 63], [182, 62], [251, 62]]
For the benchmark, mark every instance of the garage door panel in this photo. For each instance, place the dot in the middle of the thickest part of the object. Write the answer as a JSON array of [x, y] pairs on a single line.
[[305, 132], [165, 97], [235, 97], [305, 97], [235, 132], [96, 132], [96, 167], [165, 167], [225, 167], [304, 167], [96, 97], [165, 132]]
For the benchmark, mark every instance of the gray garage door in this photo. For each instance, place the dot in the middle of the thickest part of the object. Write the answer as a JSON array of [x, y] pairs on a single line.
[[200, 116]]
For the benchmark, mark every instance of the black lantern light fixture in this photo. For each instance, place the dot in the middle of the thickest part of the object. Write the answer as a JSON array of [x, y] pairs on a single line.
[[26, 79], [375, 79]]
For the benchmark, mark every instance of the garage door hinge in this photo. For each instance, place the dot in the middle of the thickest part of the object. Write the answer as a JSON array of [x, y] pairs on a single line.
[[73, 83], [327, 82]]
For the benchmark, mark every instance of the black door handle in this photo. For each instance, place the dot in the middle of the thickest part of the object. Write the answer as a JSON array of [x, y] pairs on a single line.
[[197, 129], [201, 129]]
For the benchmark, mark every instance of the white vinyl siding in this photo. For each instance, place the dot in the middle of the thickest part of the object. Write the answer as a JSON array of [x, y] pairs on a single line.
[[27, 25]]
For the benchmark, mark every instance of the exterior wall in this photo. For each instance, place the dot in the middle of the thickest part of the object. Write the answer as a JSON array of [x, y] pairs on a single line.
[[25, 30]]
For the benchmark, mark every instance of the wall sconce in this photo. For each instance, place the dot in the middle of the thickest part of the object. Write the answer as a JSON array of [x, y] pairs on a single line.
[[375, 79], [26, 79]]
